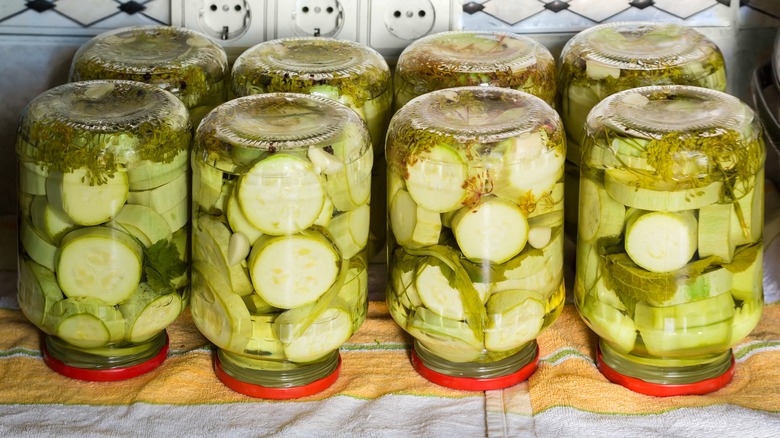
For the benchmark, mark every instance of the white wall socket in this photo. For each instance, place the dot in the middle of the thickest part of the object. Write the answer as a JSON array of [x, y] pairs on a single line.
[[324, 18], [236, 24], [394, 24]]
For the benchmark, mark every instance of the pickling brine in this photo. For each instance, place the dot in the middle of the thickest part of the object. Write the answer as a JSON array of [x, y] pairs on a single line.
[[103, 224], [669, 250], [475, 232], [281, 206]]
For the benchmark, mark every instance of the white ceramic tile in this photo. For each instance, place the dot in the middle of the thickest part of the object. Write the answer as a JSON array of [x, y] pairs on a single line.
[[159, 10], [512, 11], [599, 10], [88, 12], [684, 9], [122, 20], [10, 7]]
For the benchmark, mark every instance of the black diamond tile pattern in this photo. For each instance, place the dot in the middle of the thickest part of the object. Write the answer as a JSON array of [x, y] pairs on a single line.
[[641, 4], [472, 8], [131, 7], [556, 6], [40, 5]]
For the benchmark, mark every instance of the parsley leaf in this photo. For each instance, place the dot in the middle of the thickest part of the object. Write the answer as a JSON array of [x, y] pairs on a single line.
[[163, 263]]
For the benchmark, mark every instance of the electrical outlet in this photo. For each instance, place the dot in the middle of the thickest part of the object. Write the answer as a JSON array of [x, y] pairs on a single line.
[[393, 24], [325, 18], [235, 24]]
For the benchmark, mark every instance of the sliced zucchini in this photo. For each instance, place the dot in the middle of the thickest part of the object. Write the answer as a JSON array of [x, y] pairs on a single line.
[[146, 175], [218, 313], [661, 241], [32, 179], [332, 329], [413, 225], [281, 194], [612, 325], [435, 290], [436, 179], [48, 221], [85, 203], [448, 338], [529, 167], [148, 313], [292, 271], [630, 190], [715, 239], [495, 230], [38, 292], [37, 246], [350, 230], [210, 244], [206, 184], [681, 316], [599, 215], [88, 322], [99, 262], [514, 319], [146, 220], [238, 221], [164, 197]]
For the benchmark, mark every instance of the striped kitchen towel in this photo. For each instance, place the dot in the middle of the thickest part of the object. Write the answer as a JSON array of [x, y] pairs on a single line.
[[379, 394]]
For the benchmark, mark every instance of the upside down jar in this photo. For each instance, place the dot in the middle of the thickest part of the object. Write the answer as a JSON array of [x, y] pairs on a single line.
[[103, 224], [669, 250], [613, 57], [475, 203], [179, 60], [281, 190], [348, 72]]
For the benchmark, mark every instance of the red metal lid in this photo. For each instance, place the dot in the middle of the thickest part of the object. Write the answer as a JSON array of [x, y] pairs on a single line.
[[259, 391], [108, 374], [473, 383], [665, 390]]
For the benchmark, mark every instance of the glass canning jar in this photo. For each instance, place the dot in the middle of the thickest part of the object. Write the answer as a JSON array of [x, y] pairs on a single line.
[[475, 242], [612, 57], [466, 58], [179, 60], [281, 190], [348, 72], [103, 224], [669, 250]]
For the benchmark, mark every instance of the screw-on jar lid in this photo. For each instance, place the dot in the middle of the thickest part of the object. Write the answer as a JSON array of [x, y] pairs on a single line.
[[105, 374], [476, 383], [298, 64], [275, 393], [701, 387], [98, 124], [179, 60], [462, 58], [276, 122]]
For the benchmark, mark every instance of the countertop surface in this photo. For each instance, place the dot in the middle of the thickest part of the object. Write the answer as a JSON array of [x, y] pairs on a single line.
[[378, 393]]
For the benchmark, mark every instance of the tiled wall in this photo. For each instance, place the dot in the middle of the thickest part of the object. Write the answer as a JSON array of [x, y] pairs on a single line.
[[35, 58]]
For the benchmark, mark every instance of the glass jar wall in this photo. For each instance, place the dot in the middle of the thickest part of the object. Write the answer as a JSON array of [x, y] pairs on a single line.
[[475, 241], [103, 224], [669, 250], [613, 57], [348, 72], [281, 189], [179, 60], [468, 58]]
